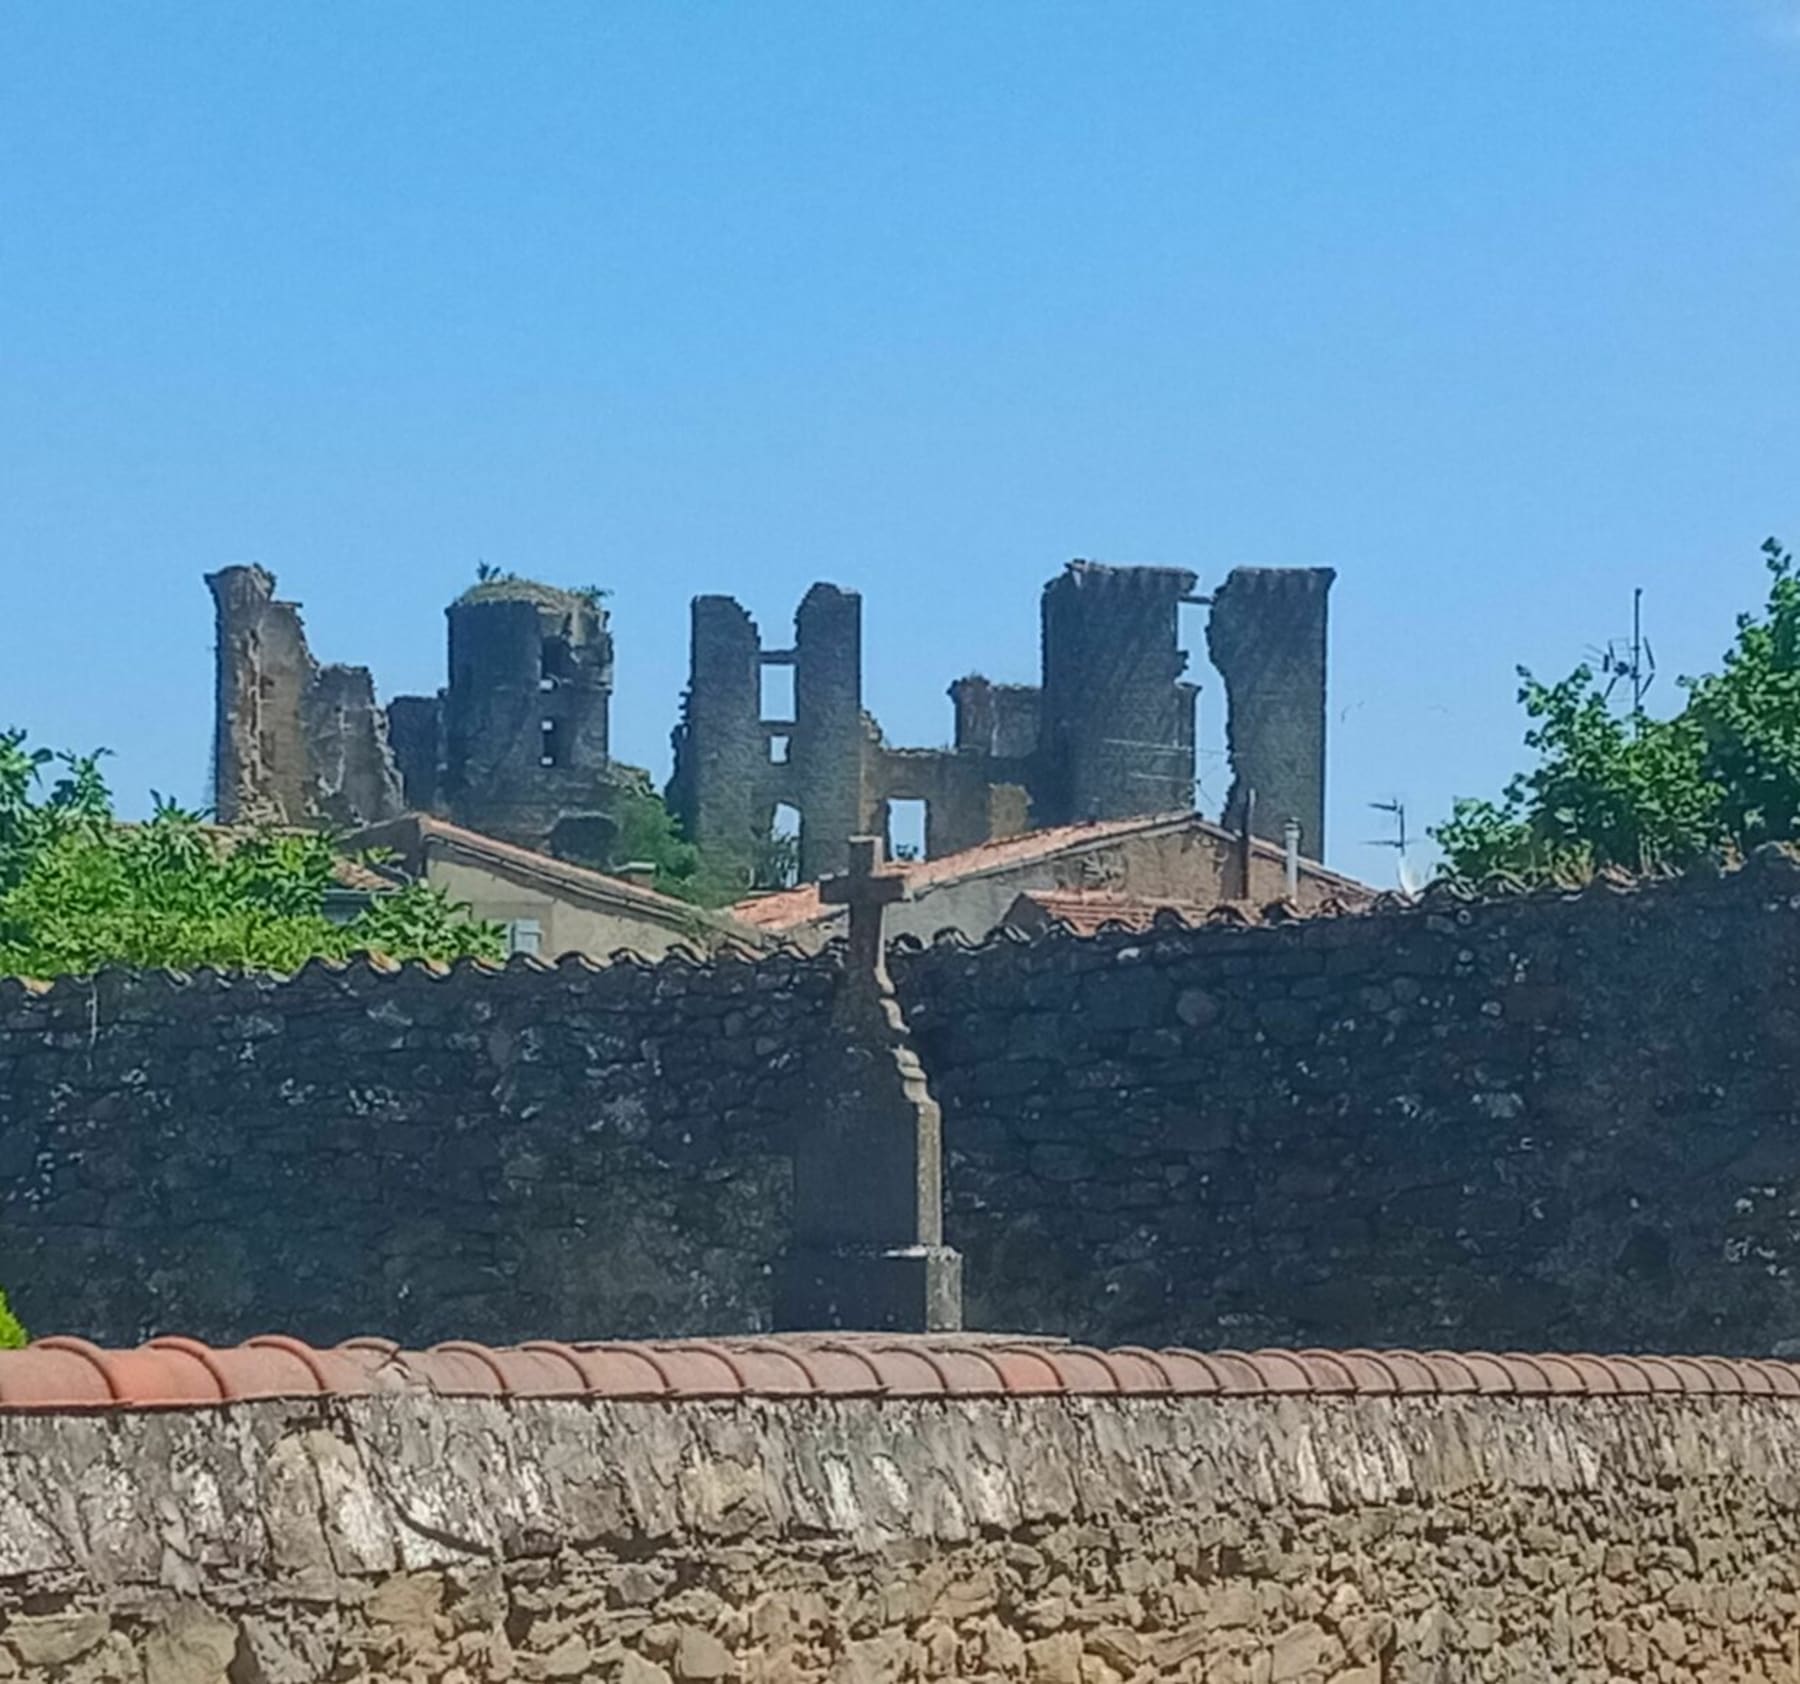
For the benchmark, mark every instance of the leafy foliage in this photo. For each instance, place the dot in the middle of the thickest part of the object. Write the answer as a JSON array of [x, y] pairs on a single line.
[[12, 1330], [775, 864], [1710, 783], [79, 890], [648, 833]]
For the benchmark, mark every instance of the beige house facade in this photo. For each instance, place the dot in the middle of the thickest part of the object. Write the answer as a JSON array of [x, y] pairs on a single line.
[[546, 906]]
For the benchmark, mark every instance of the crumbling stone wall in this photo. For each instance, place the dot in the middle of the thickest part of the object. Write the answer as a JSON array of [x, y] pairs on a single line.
[[1266, 636], [1248, 1540], [489, 1156], [1108, 734], [1567, 1121], [1118, 717], [524, 727], [295, 743], [517, 745]]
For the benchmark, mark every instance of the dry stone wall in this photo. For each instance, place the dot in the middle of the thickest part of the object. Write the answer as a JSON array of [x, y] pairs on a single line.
[[1255, 1540], [1564, 1121]]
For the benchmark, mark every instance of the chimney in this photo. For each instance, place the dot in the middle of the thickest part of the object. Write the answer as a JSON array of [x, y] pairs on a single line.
[[640, 874]]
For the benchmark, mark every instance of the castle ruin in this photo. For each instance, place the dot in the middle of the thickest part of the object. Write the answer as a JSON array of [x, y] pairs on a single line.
[[1108, 732], [516, 745]]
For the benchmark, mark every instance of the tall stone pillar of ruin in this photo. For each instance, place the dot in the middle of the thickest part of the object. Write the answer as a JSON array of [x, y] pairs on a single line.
[[264, 673], [294, 742], [721, 751], [1267, 636], [1117, 737], [827, 748]]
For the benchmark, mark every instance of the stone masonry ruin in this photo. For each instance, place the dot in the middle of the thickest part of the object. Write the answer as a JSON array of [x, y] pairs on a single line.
[[1108, 732], [516, 745]]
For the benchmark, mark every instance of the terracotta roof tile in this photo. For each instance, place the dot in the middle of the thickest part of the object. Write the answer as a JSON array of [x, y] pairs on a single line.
[[793, 907], [1085, 912], [66, 1374]]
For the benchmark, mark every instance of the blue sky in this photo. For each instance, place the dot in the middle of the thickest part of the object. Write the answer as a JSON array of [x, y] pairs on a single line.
[[1491, 307]]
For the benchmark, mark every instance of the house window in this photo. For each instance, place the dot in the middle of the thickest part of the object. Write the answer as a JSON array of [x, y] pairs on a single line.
[[524, 935], [550, 744]]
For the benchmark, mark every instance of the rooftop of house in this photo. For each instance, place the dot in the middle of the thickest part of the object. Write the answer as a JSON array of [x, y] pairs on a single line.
[[1085, 912], [414, 838], [68, 1374], [792, 908]]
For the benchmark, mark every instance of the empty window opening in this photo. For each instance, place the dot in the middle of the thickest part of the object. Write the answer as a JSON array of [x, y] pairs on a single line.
[[1212, 770], [524, 935], [778, 749], [553, 662], [907, 827], [777, 693], [550, 744], [778, 863]]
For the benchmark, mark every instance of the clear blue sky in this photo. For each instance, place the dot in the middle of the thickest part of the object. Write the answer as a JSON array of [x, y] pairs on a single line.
[[1494, 308]]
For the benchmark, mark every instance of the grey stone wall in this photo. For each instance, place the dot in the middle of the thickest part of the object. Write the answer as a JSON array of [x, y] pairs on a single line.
[[1266, 636], [526, 717], [1117, 735], [294, 742], [1065, 1541], [1547, 1122], [571, 1152], [1555, 1121]]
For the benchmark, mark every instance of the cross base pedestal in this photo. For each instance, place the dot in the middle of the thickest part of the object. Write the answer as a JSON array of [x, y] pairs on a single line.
[[903, 1289]]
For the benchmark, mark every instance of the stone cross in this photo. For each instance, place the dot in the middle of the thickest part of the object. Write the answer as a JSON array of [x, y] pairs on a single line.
[[869, 1248], [868, 889]]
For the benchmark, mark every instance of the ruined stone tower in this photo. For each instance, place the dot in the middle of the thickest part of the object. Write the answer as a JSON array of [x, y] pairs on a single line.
[[1266, 636], [516, 745], [1118, 718], [734, 766], [294, 742], [1108, 734]]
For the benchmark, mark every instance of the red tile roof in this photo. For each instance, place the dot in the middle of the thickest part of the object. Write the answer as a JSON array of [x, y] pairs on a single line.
[[71, 1375], [1085, 912], [792, 907]]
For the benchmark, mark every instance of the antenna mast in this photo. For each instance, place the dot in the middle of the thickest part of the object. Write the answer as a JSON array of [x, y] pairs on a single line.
[[1633, 661], [1400, 841]]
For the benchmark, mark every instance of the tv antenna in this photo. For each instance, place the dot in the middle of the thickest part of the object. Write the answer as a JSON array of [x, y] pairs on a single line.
[[1400, 842], [1630, 660]]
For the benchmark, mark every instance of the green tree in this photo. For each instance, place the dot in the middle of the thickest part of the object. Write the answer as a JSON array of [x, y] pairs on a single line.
[[79, 890], [649, 834], [1627, 790], [12, 1330]]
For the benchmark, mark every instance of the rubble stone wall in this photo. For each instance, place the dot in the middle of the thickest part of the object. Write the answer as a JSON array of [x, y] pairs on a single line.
[[565, 1152], [1541, 1121], [1252, 1540]]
